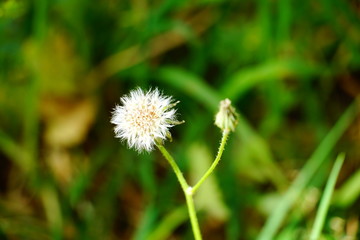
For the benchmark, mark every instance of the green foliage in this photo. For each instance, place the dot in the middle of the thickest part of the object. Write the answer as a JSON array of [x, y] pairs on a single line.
[[289, 67]]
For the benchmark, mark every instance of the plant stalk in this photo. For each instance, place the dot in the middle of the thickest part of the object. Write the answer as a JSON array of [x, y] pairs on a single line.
[[187, 191], [224, 138]]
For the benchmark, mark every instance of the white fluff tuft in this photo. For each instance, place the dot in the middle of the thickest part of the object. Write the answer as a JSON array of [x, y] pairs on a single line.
[[143, 118]]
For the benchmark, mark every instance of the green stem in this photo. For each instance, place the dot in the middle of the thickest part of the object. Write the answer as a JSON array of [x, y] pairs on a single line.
[[216, 161], [187, 191], [192, 213], [175, 167]]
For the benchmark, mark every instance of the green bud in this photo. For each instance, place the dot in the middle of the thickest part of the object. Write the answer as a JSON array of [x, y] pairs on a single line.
[[226, 118]]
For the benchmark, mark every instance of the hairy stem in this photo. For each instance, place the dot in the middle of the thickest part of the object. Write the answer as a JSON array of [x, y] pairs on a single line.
[[216, 161], [187, 191]]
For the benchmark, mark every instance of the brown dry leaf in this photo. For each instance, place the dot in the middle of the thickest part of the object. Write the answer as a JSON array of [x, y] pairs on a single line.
[[18, 202], [352, 227], [67, 122]]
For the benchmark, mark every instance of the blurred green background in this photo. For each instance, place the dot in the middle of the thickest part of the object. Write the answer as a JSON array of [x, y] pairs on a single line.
[[291, 68]]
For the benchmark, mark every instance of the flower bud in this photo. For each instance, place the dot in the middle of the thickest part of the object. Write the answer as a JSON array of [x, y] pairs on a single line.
[[226, 118]]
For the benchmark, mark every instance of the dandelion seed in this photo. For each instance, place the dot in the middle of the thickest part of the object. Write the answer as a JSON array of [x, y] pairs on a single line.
[[144, 118]]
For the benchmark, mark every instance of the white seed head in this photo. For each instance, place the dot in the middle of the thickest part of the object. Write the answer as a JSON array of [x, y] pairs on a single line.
[[144, 118]]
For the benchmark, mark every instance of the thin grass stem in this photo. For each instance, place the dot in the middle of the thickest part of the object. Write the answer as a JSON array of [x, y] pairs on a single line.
[[279, 213], [325, 200]]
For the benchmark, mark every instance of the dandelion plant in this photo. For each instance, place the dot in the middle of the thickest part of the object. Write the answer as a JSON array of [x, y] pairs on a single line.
[[143, 121]]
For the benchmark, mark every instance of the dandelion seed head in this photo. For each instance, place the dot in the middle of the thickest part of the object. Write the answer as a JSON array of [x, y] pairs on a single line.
[[143, 118]]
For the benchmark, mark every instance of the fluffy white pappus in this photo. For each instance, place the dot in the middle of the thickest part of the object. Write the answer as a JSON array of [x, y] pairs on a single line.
[[143, 118]]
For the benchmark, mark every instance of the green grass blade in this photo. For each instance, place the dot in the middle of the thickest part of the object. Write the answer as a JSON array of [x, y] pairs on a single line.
[[325, 200], [146, 224], [13, 151], [191, 84], [169, 223], [279, 213], [245, 79], [349, 191], [261, 153]]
